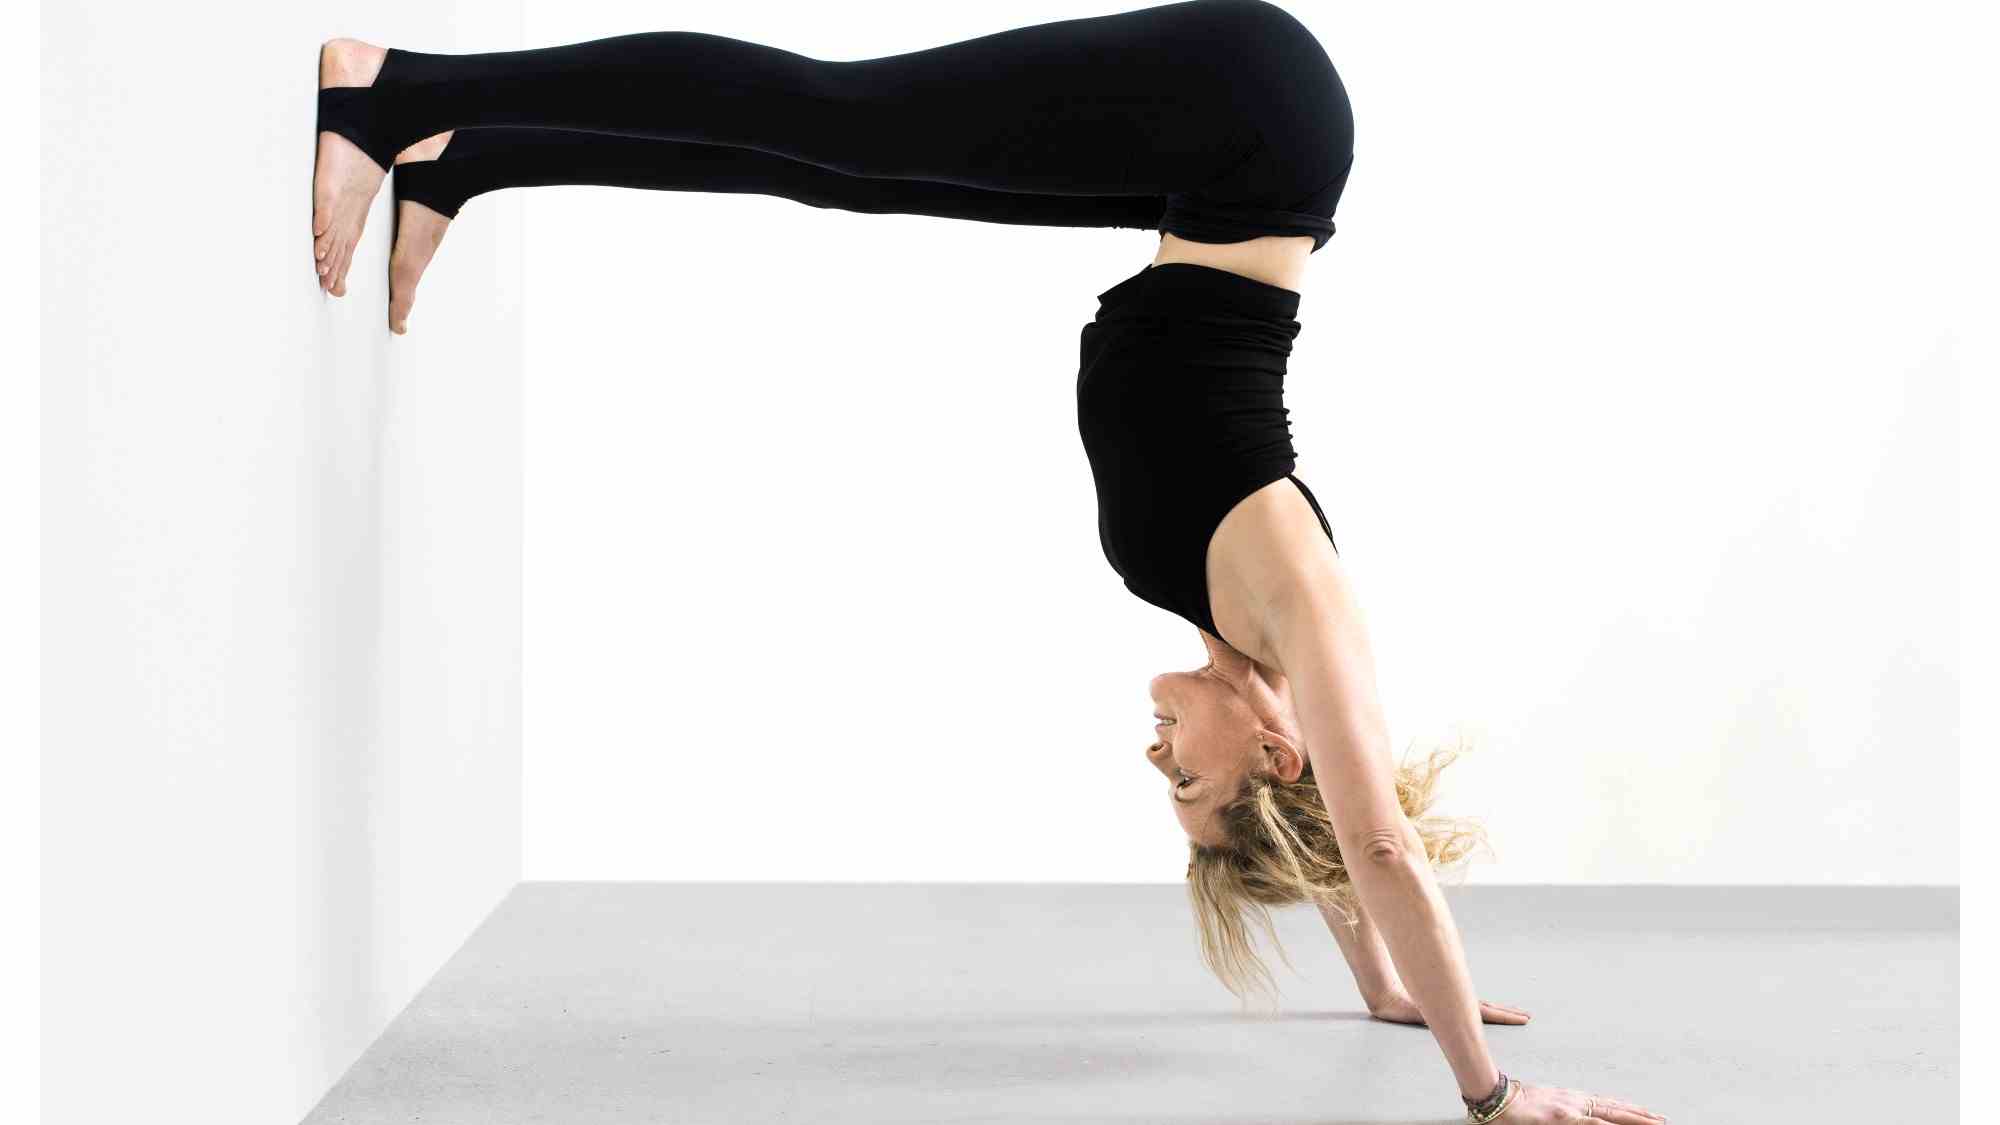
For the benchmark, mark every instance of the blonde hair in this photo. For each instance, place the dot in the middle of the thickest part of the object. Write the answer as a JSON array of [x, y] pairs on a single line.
[[1281, 850]]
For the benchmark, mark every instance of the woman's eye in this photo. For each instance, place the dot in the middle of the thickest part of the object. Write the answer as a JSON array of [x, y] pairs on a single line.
[[1185, 782]]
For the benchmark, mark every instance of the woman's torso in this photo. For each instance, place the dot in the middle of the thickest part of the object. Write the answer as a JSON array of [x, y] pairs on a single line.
[[1180, 404]]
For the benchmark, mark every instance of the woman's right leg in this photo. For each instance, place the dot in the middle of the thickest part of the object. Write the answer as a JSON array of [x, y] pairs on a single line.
[[480, 160], [432, 187]]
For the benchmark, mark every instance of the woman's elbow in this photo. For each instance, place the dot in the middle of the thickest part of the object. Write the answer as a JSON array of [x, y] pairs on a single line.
[[1388, 846]]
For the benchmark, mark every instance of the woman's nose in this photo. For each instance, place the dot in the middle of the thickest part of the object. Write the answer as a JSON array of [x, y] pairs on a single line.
[[1157, 754]]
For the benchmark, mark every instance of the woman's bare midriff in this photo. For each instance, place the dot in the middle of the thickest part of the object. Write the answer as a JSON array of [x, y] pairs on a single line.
[[1274, 259]]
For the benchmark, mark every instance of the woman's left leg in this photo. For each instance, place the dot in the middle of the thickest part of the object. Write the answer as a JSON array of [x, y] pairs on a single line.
[[1227, 108], [1133, 103]]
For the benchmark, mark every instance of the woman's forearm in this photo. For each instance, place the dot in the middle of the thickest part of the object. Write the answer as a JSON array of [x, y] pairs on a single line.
[[1366, 955], [1324, 651], [1394, 882]]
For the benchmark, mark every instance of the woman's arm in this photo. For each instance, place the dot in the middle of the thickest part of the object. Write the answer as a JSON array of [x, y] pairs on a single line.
[[1367, 957], [1317, 634], [1277, 585]]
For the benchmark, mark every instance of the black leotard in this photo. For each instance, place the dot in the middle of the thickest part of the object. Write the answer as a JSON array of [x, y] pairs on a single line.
[[1181, 402], [1215, 120]]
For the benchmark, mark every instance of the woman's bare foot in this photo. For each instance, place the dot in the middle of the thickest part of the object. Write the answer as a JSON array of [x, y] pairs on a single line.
[[419, 230], [345, 180]]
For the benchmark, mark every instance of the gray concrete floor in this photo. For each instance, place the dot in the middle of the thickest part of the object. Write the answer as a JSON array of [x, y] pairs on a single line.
[[595, 1004]]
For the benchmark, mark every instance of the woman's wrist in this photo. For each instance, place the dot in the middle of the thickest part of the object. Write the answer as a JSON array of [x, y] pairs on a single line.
[[1376, 995], [1487, 1095], [1492, 1104]]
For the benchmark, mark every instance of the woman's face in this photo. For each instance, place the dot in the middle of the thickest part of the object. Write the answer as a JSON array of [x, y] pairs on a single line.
[[1215, 725]]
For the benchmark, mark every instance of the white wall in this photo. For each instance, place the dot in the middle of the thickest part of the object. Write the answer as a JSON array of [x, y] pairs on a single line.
[[281, 575], [1628, 383]]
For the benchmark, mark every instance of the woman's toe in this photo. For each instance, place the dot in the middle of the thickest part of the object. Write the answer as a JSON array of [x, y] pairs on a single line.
[[336, 249], [402, 295], [347, 264], [331, 280]]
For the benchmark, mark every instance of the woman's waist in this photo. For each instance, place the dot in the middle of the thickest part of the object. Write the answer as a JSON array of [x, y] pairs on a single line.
[[1202, 353], [1198, 296], [1275, 260]]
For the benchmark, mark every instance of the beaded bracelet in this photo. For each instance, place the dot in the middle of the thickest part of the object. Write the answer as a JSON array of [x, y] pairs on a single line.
[[1486, 1109], [1491, 1098]]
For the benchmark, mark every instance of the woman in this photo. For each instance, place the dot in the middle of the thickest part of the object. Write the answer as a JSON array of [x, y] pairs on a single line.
[[1220, 123]]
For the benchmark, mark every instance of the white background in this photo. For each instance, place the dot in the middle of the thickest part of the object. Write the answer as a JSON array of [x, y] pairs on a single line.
[[1629, 384], [280, 578]]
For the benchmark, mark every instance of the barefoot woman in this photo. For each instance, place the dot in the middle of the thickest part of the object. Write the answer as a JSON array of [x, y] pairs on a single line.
[[1219, 123]]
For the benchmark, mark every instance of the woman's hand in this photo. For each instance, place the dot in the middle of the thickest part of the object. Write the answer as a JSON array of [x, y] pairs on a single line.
[[1547, 1105], [1397, 1007]]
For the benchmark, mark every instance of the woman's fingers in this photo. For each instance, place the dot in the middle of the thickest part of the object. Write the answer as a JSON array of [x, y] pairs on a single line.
[[1553, 1103], [1501, 1013], [1623, 1113]]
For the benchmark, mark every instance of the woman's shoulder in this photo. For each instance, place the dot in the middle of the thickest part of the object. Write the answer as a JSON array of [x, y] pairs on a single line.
[[1270, 552]]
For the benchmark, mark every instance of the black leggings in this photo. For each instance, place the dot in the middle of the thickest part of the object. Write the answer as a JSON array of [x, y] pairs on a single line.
[[1216, 120]]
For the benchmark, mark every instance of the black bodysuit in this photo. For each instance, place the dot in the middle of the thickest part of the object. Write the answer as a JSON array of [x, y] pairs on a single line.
[[1214, 120], [1181, 401]]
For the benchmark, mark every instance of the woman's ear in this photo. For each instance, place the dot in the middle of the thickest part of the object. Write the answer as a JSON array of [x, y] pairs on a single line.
[[1286, 760]]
